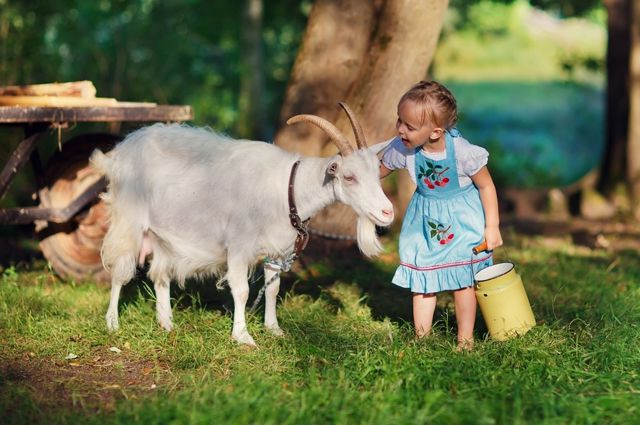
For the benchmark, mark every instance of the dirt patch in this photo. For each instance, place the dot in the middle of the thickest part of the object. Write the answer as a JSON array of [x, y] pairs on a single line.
[[92, 384]]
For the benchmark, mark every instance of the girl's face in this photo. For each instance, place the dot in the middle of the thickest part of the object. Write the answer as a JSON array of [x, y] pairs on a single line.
[[412, 129]]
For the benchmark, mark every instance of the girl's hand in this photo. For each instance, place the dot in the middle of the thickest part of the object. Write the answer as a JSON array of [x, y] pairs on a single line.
[[489, 198], [493, 237]]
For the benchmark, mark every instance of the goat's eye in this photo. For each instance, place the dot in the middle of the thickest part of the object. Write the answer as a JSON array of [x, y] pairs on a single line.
[[350, 179]]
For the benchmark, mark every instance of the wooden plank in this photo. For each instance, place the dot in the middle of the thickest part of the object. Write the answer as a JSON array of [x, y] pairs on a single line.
[[22, 114], [73, 88], [67, 101], [56, 101]]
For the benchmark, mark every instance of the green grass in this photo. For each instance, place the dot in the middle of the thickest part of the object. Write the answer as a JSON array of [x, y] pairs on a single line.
[[348, 357]]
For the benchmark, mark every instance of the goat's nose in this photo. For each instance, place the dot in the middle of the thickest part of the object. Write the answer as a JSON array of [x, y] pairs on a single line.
[[387, 213]]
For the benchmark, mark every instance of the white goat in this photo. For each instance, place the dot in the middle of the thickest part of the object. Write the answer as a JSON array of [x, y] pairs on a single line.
[[198, 201]]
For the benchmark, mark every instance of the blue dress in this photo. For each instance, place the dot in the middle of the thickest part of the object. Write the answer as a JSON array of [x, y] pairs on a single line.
[[442, 224]]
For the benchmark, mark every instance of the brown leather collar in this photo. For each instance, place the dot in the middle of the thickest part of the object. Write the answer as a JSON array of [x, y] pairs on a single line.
[[296, 221]]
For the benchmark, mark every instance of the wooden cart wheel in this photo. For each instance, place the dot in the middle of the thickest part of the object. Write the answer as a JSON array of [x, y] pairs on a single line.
[[73, 248]]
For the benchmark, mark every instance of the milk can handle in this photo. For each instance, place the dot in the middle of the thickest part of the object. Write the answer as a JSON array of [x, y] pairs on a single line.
[[476, 250], [483, 247]]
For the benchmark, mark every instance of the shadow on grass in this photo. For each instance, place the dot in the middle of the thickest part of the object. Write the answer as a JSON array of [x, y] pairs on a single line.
[[313, 275], [344, 263], [561, 286], [565, 287], [196, 293], [18, 246]]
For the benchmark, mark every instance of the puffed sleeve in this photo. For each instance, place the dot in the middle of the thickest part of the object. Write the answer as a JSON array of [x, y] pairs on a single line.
[[395, 155], [470, 157]]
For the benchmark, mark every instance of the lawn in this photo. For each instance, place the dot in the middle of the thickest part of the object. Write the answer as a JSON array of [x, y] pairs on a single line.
[[348, 357]]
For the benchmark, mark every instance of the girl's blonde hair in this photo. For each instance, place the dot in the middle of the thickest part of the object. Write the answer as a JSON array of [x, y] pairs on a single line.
[[437, 103]]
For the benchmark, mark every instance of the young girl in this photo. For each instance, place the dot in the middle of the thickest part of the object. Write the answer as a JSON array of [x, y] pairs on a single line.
[[454, 208]]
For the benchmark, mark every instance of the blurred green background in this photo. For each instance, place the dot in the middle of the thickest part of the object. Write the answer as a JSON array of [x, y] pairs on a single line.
[[529, 78], [530, 87]]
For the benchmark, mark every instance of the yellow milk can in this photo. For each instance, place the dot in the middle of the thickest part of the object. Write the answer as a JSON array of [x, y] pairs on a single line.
[[503, 301]]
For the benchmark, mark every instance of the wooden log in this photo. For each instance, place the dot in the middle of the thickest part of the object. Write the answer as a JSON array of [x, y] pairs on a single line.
[[84, 89], [68, 101], [56, 101]]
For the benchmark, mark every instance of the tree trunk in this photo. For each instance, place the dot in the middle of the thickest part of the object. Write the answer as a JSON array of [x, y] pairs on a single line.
[[613, 168], [387, 55], [633, 148], [329, 60], [251, 110]]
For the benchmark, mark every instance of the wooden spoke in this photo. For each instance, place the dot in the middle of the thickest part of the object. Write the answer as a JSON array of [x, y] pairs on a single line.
[[73, 247]]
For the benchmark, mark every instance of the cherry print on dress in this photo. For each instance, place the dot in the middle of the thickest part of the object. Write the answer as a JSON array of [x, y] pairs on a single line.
[[433, 175], [441, 233]]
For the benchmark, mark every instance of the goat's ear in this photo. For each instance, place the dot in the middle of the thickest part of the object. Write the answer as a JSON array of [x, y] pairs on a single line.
[[333, 167]]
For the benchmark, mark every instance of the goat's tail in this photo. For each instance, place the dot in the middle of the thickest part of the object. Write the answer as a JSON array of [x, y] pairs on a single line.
[[100, 161], [123, 239]]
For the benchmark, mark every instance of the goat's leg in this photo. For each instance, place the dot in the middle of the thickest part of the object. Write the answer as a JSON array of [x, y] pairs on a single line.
[[121, 272], [237, 278], [161, 285], [272, 280], [112, 311]]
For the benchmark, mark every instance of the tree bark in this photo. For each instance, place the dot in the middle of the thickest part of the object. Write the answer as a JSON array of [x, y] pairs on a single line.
[[613, 167], [387, 54], [633, 147], [251, 107], [399, 55], [332, 52]]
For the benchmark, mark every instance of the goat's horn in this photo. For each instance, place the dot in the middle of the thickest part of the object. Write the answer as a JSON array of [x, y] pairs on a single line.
[[357, 128], [334, 134]]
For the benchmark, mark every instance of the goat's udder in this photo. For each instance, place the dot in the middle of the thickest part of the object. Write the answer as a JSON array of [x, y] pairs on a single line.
[[145, 248]]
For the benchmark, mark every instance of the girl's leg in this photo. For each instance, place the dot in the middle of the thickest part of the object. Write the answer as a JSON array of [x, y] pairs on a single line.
[[424, 306], [465, 304]]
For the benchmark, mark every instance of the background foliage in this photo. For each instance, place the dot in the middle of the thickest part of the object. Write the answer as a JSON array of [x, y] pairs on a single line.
[[529, 81], [530, 88], [171, 51]]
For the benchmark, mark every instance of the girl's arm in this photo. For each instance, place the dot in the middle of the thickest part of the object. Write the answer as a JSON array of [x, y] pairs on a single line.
[[384, 171], [484, 183]]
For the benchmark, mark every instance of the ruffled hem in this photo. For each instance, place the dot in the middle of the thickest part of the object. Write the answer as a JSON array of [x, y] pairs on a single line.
[[446, 278]]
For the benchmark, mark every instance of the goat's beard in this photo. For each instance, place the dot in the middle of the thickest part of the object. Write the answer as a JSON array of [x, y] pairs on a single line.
[[367, 238]]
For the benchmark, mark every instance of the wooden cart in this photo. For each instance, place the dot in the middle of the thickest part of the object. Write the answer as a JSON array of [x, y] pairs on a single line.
[[70, 219]]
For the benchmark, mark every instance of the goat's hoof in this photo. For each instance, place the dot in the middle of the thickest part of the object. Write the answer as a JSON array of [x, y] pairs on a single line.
[[275, 330], [112, 322], [167, 325], [244, 338]]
